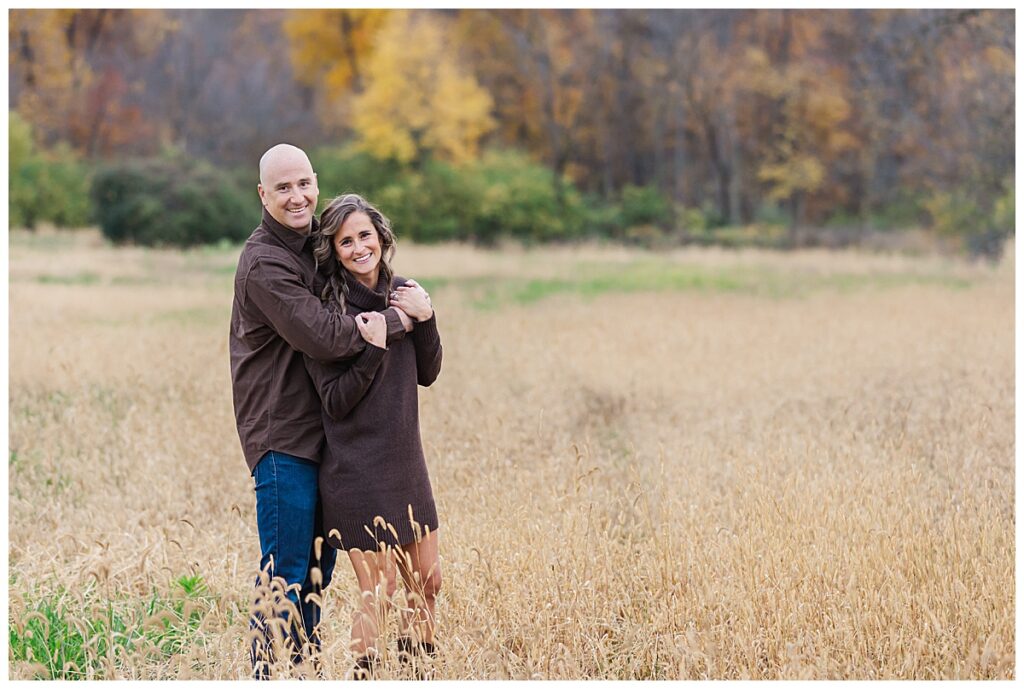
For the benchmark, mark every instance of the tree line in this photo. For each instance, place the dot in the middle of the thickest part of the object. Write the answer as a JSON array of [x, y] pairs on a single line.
[[708, 119]]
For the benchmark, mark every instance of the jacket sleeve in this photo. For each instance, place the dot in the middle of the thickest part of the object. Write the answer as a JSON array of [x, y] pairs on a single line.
[[301, 318], [428, 350], [341, 388]]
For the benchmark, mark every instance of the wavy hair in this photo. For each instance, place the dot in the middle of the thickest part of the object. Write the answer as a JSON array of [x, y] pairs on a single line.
[[331, 220]]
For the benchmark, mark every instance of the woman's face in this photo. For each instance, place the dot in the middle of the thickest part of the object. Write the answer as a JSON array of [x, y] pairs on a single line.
[[357, 246]]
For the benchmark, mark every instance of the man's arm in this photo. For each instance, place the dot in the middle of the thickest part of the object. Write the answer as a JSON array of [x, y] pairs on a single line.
[[302, 319], [402, 316]]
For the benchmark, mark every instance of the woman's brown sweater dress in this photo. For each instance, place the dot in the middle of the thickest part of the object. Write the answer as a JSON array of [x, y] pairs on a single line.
[[373, 464]]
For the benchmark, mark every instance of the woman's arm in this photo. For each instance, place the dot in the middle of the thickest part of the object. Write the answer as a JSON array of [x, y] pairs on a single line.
[[415, 301], [428, 350], [341, 389]]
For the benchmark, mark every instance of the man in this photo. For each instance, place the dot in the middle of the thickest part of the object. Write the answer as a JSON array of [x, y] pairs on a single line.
[[275, 318]]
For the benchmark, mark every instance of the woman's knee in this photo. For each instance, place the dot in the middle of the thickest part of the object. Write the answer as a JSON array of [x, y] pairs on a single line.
[[382, 589], [431, 583]]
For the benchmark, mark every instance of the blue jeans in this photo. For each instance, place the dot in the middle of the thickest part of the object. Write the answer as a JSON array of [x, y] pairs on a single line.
[[289, 520]]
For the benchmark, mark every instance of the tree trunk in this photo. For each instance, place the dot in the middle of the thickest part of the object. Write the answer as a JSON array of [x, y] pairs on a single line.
[[734, 165], [795, 211], [679, 153], [720, 167]]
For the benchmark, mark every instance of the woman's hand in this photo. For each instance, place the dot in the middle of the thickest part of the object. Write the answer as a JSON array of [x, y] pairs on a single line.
[[414, 300], [373, 327]]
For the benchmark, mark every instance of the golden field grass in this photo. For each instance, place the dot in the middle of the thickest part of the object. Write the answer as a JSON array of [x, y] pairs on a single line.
[[686, 465]]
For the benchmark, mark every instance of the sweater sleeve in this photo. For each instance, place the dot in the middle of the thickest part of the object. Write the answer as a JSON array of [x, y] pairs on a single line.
[[428, 350], [302, 319], [340, 388]]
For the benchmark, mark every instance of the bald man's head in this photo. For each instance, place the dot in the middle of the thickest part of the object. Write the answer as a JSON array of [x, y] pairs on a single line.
[[288, 186]]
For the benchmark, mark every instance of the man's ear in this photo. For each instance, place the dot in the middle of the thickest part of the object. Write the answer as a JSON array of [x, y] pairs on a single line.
[[259, 190]]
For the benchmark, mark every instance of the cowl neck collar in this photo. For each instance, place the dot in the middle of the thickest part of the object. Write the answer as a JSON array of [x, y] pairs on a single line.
[[365, 298]]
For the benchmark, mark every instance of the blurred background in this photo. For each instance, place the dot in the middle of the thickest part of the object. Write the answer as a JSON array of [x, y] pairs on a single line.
[[653, 127]]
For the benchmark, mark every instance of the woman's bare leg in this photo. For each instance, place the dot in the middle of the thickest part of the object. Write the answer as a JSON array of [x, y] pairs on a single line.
[[421, 572], [375, 572]]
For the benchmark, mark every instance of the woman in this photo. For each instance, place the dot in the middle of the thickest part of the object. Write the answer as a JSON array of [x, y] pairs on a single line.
[[376, 496]]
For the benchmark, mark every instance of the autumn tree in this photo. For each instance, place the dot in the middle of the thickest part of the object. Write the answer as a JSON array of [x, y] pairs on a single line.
[[542, 69], [328, 50], [68, 72], [418, 100], [810, 134]]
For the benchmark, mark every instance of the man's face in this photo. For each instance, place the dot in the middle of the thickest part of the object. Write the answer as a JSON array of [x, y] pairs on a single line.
[[288, 190]]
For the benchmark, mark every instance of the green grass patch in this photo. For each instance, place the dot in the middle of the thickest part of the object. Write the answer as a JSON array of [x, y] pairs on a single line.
[[432, 284], [76, 279], [588, 281], [71, 639], [135, 280]]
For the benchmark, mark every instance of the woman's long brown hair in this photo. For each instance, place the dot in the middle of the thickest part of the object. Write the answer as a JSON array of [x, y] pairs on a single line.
[[331, 220]]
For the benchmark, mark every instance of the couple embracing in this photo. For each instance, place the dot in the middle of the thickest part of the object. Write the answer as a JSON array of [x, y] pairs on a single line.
[[327, 348]]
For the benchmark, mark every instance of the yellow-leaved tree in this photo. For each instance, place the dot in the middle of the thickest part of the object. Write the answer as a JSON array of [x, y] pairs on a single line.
[[328, 49], [418, 101], [813, 129]]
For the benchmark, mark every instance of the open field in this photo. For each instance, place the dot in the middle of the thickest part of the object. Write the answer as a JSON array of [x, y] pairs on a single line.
[[693, 464]]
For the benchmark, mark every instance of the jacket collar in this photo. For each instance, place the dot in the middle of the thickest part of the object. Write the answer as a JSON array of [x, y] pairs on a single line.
[[290, 238]]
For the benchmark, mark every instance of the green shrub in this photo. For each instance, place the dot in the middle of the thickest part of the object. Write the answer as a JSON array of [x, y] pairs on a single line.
[[771, 214], [953, 213], [903, 212], [45, 186], [980, 228], [691, 221], [65, 191], [172, 201], [504, 194], [518, 200], [601, 218], [343, 170], [842, 219], [647, 236], [437, 203], [1003, 214], [20, 145], [1001, 223], [645, 206], [738, 236]]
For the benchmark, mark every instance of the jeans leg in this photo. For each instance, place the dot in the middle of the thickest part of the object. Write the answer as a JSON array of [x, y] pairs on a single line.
[[286, 510], [311, 610]]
